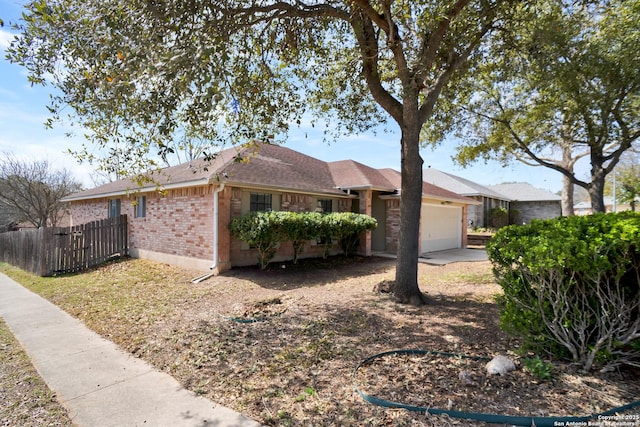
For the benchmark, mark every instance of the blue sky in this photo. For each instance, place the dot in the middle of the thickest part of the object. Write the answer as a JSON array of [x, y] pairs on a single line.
[[23, 113]]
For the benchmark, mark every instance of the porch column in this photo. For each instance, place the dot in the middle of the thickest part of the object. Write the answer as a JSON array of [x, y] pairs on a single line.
[[366, 199], [224, 237], [465, 213]]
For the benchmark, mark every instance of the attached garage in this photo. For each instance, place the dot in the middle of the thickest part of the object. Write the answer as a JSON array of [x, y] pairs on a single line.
[[441, 227]]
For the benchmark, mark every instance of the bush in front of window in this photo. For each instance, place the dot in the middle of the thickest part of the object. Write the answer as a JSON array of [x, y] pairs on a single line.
[[266, 230], [346, 228], [261, 230], [299, 228]]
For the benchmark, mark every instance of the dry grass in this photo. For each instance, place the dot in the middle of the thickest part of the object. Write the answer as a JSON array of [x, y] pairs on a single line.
[[316, 323], [25, 400]]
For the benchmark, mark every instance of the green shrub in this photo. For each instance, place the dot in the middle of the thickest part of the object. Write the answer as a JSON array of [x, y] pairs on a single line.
[[261, 230], [498, 217], [347, 227], [300, 228], [266, 230], [571, 286], [326, 226], [538, 367]]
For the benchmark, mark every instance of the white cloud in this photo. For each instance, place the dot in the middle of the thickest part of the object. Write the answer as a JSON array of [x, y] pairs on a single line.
[[5, 39]]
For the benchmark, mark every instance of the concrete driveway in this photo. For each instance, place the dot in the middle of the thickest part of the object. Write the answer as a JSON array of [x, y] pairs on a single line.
[[453, 255]]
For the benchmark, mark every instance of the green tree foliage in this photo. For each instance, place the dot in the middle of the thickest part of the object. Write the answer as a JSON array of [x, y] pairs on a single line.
[[630, 185], [567, 87], [267, 230], [572, 286], [134, 72]]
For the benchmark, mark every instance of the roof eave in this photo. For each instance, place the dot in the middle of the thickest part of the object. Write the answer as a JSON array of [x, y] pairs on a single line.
[[266, 187], [366, 187], [145, 189], [438, 198]]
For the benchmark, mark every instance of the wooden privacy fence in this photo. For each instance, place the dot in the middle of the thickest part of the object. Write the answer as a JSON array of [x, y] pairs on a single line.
[[57, 250]]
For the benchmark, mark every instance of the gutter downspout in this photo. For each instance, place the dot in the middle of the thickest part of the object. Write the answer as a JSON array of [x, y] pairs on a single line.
[[215, 226], [215, 237]]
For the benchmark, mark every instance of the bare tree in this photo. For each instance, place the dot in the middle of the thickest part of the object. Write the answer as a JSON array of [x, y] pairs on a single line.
[[32, 190]]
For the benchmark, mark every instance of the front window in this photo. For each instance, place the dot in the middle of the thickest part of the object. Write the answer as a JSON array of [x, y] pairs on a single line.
[[141, 207], [260, 202], [325, 205], [114, 208]]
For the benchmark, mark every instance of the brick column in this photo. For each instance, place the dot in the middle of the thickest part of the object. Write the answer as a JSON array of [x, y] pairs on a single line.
[[225, 207], [365, 208]]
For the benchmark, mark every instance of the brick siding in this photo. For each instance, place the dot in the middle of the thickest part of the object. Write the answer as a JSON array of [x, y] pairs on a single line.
[[242, 255], [393, 225], [526, 211], [180, 222]]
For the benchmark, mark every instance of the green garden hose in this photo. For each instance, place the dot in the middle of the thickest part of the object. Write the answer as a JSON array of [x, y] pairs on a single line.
[[489, 418]]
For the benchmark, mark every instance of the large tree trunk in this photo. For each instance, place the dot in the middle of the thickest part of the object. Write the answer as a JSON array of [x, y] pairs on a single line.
[[567, 196], [567, 183], [596, 187], [406, 288], [596, 193]]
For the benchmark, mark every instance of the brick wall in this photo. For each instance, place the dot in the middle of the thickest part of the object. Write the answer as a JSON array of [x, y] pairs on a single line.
[[392, 225], [241, 254], [87, 211], [297, 202], [180, 223], [526, 211]]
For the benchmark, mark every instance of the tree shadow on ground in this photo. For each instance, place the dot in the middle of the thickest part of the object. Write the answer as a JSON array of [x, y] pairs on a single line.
[[267, 364]]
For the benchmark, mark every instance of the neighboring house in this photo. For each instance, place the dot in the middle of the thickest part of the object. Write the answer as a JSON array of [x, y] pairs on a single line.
[[528, 202], [184, 221], [584, 208], [478, 215]]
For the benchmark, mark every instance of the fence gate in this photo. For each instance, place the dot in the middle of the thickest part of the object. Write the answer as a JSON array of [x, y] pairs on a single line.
[[84, 246], [49, 251]]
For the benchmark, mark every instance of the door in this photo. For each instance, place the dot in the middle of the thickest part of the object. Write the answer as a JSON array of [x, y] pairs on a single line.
[[441, 227]]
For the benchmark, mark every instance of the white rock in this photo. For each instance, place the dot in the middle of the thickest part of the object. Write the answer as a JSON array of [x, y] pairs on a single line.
[[500, 365]]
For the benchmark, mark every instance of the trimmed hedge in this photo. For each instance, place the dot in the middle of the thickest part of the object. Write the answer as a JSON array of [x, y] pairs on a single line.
[[266, 230], [571, 286]]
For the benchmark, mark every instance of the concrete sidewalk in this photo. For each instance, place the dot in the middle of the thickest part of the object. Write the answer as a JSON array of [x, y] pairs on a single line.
[[98, 383]]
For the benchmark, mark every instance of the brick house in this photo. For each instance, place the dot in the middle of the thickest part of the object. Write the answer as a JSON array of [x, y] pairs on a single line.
[[488, 199], [528, 202], [182, 218]]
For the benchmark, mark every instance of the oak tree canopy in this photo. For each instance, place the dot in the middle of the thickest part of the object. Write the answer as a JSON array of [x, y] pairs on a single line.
[[138, 73]]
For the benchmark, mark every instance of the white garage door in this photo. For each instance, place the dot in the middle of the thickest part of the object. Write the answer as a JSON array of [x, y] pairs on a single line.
[[441, 227]]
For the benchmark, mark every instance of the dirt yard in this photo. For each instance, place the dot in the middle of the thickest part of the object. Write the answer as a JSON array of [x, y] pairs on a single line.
[[281, 346]]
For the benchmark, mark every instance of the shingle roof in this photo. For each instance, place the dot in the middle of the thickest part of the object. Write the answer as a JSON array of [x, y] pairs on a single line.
[[427, 189], [349, 174], [525, 192], [458, 185], [276, 166], [269, 166], [194, 172]]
